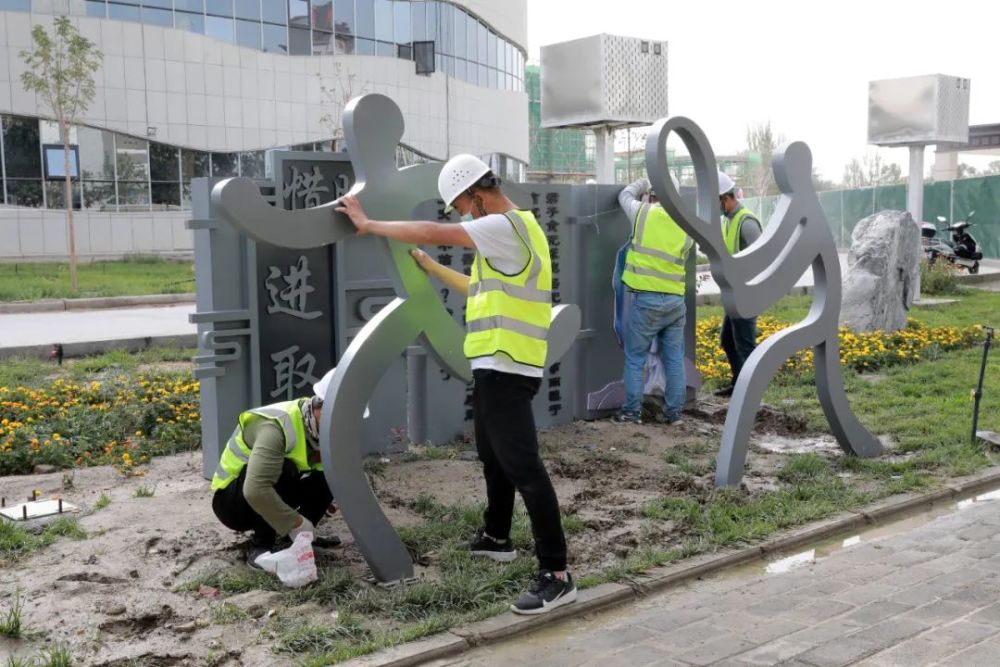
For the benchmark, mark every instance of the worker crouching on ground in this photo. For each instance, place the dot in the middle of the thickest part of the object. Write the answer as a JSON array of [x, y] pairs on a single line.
[[270, 476], [508, 312]]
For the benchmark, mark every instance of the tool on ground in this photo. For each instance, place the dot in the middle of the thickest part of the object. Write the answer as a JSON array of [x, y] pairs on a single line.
[[978, 394]]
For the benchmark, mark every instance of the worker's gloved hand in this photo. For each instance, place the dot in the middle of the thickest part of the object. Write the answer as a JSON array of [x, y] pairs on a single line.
[[303, 525]]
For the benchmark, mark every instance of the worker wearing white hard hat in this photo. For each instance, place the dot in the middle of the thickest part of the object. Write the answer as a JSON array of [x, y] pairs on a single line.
[[740, 229], [654, 281], [508, 312]]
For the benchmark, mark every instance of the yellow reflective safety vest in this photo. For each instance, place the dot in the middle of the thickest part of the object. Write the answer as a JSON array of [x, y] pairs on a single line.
[[512, 313], [731, 229], [288, 417], [655, 259]]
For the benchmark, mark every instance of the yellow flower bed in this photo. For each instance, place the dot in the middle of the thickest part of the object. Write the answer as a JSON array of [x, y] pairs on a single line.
[[121, 421], [862, 352]]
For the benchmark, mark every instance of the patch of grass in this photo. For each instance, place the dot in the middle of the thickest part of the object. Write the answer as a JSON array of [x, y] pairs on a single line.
[[939, 278], [333, 585], [24, 370], [16, 542], [11, 624], [573, 524], [102, 502], [430, 453], [228, 614], [684, 464], [803, 467], [298, 638], [143, 491], [233, 580], [33, 281], [57, 656]]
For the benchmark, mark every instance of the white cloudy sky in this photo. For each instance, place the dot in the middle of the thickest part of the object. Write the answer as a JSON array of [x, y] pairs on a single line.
[[804, 65]]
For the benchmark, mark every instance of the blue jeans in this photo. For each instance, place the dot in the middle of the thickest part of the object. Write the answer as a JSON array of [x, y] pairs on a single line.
[[660, 316]]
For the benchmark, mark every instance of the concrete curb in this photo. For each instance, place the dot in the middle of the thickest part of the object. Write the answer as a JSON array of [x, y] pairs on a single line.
[[90, 348], [605, 596], [58, 305]]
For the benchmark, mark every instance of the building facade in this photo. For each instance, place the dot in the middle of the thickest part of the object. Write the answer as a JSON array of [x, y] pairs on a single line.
[[192, 88]]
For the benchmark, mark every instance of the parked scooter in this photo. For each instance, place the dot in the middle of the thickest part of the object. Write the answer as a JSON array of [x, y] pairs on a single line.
[[963, 250]]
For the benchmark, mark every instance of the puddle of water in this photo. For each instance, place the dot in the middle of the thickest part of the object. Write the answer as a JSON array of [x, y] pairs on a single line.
[[784, 562]]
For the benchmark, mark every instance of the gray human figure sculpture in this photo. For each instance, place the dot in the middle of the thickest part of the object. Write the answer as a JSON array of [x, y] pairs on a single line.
[[751, 281], [373, 127]]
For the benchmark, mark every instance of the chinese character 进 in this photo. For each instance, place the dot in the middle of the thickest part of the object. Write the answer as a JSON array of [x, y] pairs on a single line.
[[290, 374], [306, 186], [292, 299]]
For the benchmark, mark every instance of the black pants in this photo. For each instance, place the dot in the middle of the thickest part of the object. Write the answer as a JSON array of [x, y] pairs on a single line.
[[508, 447], [739, 338], [307, 493]]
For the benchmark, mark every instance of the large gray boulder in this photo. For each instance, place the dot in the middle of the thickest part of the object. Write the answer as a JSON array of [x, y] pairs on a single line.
[[883, 272]]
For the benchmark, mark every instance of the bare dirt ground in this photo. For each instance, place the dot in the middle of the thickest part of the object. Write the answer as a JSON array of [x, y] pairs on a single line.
[[115, 596]]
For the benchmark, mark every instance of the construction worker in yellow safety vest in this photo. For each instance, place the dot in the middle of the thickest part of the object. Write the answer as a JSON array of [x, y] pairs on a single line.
[[270, 477], [508, 312], [740, 228], [654, 301]]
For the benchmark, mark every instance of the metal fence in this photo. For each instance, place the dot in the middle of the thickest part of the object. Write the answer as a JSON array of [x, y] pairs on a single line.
[[951, 199]]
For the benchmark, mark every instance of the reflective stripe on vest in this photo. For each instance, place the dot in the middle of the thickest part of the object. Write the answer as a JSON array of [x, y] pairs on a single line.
[[731, 231], [236, 454], [656, 257], [511, 313]]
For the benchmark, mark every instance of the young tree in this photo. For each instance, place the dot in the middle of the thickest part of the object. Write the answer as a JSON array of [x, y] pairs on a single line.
[[335, 98], [871, 171], [60, 70], [761, 144]]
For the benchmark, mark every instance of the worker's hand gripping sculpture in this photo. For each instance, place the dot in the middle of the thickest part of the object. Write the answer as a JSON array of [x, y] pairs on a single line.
[[751, 281], [373, 127]]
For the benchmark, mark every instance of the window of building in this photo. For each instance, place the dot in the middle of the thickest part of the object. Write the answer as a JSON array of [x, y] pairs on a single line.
[[252, 164], [220, 28], [322, 15], [298, 13], [219, 7], [132, 159], [190, 22], [323, 43], [418, 21], [248, 34], [250, 9], [225, 165], [491, 49], [344, 44], [383, 21], [365, 18], [471, 37], [162, 4], [98, 9], [123, 12], [343, 17], [432, 11], [55, 194], [165, 177], [190, 5], [16, 5], [446, 29], [274, 11], [461, 34], [160, 17], [21, 146], [401, 22], [275, 38], [299, 43], [364, 47]]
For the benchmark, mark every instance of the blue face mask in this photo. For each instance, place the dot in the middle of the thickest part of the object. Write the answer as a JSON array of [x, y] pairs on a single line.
[[467, 217]]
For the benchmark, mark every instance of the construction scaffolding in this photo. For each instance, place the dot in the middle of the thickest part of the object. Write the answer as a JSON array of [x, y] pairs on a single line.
[[557, 156]]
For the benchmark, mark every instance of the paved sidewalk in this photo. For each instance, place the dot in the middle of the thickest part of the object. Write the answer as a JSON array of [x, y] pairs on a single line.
[[927, 596], [84, 326]]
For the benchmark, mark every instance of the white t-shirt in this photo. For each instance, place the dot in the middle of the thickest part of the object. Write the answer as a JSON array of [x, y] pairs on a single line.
[[497, 241]]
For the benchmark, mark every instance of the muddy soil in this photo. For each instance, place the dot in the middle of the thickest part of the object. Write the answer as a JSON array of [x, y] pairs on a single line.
[[114, 597]]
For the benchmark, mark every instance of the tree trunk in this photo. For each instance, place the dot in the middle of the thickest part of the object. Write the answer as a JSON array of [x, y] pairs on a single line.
[[68, 193]]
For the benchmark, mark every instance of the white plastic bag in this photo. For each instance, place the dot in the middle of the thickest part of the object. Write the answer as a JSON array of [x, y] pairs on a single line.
[[295, 566]]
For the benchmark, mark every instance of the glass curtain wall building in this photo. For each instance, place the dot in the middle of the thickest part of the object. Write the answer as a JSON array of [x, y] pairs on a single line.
[[125, 172]]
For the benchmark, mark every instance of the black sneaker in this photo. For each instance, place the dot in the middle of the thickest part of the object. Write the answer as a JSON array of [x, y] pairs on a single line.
[[331, 542], [628, 418], [725, 392], [499, 550], [547, 592]]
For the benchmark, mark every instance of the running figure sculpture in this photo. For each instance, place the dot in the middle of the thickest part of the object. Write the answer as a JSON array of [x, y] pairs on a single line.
[[753, 280], [373, 127]]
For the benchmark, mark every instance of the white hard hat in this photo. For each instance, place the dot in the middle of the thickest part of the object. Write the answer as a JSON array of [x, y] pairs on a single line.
[[458, 175], [320, 388], [726, 184]]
